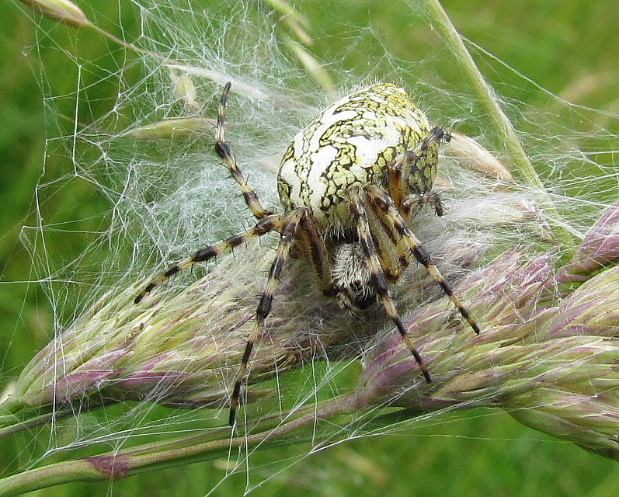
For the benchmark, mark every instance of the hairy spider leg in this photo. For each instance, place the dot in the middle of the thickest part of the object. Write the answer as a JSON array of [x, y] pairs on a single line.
[[290, 223], [313, 248], [385, 210], [378, 280], [396, 184], [225, 152], [272, 222]]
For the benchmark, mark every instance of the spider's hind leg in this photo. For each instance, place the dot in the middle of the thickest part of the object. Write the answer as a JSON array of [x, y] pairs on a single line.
[[413, 171], [413, 203], [223, 149], [263, 226]]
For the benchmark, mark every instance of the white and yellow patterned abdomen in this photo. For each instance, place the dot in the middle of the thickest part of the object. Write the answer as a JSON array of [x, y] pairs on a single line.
[[352, 143]]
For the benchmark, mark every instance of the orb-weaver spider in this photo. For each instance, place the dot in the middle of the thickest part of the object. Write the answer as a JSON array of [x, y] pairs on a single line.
[[350, 183]]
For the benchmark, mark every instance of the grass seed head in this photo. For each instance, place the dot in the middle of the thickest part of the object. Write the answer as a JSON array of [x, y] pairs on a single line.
[[62, 11]]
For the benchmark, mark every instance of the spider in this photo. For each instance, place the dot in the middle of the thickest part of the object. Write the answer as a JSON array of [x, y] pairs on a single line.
[[350, 184]]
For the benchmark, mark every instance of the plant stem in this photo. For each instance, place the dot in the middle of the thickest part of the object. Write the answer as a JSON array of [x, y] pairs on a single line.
[[501, 121], [485, 93], [154, 456]]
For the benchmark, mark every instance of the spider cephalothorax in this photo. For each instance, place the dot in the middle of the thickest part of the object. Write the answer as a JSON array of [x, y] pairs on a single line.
[[350, 183]]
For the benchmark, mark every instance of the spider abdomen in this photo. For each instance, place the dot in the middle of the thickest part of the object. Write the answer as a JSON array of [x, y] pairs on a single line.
[[353, 143]]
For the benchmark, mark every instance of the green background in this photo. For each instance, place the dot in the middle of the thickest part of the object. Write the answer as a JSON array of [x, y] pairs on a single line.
[[569, 47]]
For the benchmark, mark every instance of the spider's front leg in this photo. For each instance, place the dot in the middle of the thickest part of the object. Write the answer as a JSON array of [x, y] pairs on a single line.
[[409, 244], [288, 231], [377, 274]]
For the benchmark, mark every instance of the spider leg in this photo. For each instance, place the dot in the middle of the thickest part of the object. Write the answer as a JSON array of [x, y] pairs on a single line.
[[378, 280], [312, 244], [385, 209], [225, 152], [399, 186], [395, 179], [273, 222], [290, 223], [414, 202]]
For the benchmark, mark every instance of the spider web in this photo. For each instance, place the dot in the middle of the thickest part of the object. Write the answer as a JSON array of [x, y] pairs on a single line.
[[159, 200]]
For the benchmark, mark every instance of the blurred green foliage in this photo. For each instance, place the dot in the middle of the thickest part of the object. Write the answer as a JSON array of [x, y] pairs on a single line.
[[568, 47]]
